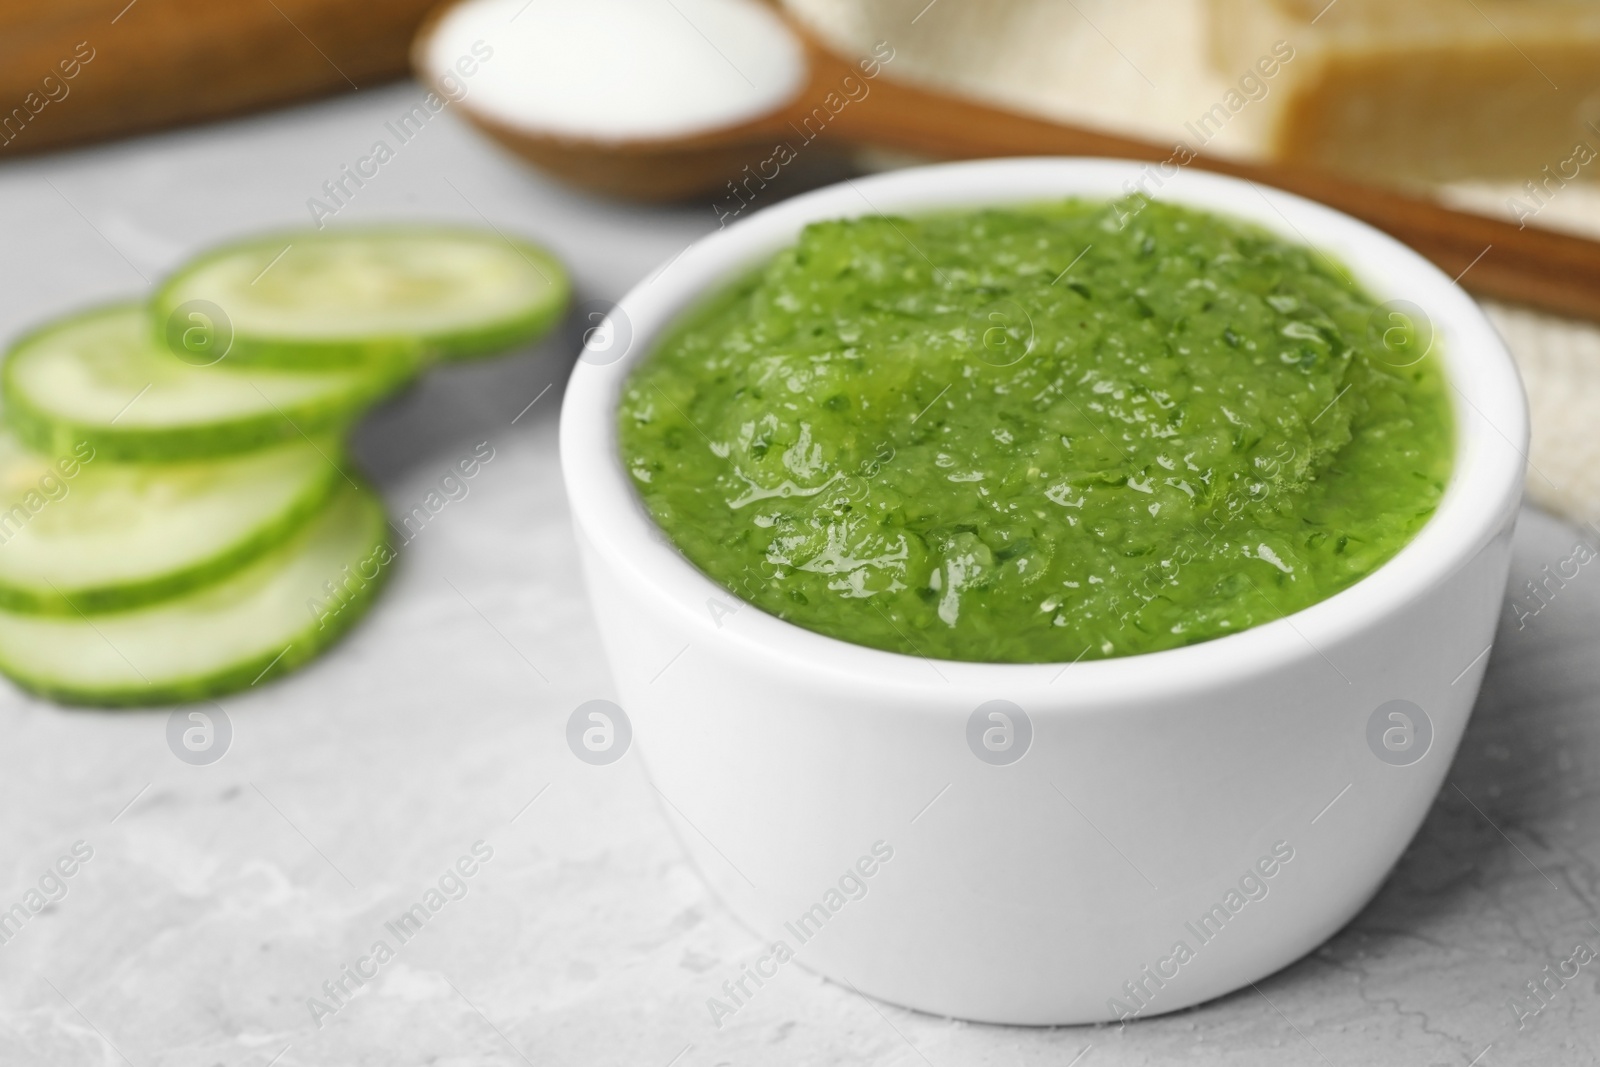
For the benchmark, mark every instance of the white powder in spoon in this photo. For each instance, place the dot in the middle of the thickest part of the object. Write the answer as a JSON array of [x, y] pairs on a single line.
[[618, 70]]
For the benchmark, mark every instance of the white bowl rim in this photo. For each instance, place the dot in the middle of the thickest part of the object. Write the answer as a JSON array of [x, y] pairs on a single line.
[[1480, 499]]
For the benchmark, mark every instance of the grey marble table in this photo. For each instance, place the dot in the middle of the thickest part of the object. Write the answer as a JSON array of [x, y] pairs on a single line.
[[220, 899]]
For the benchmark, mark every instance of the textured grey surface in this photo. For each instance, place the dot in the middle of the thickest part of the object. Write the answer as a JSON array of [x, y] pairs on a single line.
[[223, 897]]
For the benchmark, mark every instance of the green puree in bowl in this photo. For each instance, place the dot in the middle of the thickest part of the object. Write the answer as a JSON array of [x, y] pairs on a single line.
[[1039, 434]]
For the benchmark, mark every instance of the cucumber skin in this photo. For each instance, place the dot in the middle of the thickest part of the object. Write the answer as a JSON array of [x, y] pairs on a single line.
[[97, 599], [493, 340], [305, 647], [49, 433], [417, 352]]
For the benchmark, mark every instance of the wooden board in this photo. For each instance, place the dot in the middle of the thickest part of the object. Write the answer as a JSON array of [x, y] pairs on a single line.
[[73, 71]]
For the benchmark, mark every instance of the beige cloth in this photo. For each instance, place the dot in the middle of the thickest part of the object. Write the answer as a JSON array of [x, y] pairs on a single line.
[[1142, 67]]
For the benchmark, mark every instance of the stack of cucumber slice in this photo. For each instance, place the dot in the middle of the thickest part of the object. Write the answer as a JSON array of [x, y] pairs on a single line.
[[178, 518]]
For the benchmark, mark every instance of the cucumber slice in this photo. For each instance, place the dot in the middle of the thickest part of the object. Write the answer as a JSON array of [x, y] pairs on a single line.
[[261, 621], [97, 379], [314, 299], [85, 533]]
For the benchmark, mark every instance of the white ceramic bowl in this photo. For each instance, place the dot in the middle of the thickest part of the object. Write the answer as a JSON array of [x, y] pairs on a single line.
[[1156, 791]]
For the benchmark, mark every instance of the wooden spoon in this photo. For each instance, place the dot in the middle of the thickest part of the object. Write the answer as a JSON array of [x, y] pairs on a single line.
[[1553, 271]]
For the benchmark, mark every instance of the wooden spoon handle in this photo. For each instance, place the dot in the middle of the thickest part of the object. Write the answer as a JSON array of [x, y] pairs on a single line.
[[1549, 270]]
